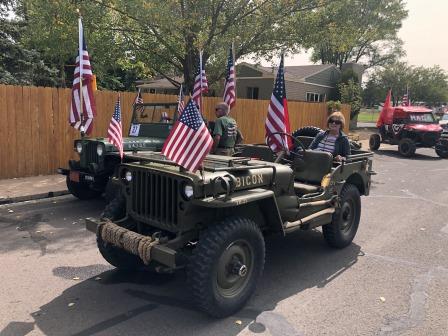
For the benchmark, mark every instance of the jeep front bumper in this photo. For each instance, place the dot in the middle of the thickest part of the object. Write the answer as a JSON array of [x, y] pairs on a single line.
[[147, 248]]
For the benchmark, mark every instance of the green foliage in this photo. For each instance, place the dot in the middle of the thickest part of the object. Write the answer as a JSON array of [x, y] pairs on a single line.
[[429, 85], [20, 65], [333, 105], [351, 93], [357, 31], [165, 36]]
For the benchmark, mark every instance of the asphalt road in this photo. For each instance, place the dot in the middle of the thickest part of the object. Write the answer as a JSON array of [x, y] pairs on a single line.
[[393, 280]]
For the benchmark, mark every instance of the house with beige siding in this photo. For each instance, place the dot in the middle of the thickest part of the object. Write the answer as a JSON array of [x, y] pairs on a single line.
[[313, 83]]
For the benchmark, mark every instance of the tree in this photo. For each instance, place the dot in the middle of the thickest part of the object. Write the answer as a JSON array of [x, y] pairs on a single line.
[[429, 85], [351, 93], [165, 36], [19, 65], [357, 31]]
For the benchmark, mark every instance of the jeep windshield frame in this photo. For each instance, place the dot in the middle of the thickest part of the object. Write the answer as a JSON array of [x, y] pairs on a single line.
[[150, 119]]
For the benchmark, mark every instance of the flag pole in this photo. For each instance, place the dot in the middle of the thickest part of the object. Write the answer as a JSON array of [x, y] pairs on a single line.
[[234, 67], [200, 78], [81, 66]]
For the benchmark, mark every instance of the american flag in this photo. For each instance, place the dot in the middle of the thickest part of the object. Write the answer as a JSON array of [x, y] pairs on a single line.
[[114, 132], [200, 82], [180, 102], [405, 101], [229, 87], [278, 117], [82, 70], [189, 140]]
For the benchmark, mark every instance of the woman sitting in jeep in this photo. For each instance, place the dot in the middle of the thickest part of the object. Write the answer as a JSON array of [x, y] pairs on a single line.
[[333, 140]]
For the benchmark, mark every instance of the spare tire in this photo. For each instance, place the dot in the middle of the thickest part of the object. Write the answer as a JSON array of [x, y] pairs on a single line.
[[309, 131]]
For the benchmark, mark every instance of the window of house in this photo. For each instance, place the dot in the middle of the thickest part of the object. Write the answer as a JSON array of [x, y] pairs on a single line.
[[252, 92], [152, 90], [313, 97]]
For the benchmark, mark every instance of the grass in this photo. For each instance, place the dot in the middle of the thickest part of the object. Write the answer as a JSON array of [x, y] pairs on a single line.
[[368, 115]]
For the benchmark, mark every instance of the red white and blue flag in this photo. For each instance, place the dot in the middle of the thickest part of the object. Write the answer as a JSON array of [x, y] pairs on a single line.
[[189, 140], [406, 101], [115, 133], [200, 83], [230, 83], [81, 117], [278, 116], [180, 102]]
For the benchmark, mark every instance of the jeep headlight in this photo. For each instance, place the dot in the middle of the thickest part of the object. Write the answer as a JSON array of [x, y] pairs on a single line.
[[188, 191], [128, 176], [79, 147], [100, 149]]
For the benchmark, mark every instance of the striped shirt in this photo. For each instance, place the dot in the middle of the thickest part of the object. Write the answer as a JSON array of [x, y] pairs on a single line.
[[327, 144]]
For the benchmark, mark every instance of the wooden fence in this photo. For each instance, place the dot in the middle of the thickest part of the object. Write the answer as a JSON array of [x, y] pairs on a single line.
[[36, 139]]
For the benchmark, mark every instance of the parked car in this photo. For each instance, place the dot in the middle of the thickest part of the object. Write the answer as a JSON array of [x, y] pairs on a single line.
[[443, 122]]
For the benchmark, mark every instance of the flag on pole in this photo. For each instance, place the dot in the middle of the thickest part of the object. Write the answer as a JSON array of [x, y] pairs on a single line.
[[385, 115], [278, 117], [180, 102], [229, 86], [200, 82], [114, 131], [189, 141], [138, 100], [406, 101], [81, 117]]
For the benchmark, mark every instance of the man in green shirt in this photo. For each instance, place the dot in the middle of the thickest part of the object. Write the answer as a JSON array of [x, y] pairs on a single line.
[[226, 133]]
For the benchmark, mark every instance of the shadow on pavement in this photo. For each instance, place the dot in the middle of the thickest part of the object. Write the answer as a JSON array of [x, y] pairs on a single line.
[[418, 156], [143, 303]]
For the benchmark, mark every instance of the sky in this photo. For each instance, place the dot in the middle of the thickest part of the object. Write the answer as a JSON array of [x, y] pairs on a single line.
[[423, 33]]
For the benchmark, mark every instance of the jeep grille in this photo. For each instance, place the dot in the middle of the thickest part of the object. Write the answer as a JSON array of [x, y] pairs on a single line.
[[154, 198], [91, 155]]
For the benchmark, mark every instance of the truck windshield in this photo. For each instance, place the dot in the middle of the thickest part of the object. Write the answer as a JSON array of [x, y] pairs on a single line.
[[422, 117], [153, 114]]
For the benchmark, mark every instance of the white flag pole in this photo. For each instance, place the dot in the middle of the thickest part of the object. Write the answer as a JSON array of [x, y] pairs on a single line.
[[81, 66]]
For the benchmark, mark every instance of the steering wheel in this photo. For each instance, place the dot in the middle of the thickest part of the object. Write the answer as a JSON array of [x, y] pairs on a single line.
[[297, 151]]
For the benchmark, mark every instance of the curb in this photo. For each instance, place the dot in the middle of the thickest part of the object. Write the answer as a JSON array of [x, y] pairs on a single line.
[[19, 199]]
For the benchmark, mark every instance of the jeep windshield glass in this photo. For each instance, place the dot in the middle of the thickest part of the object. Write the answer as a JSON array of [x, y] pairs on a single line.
[[153, 114], [422, 117]]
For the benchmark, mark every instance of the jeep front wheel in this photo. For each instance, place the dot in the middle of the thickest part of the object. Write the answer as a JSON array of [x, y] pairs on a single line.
[[406, 147], [226, 265], [81, 190], [341, 231], [374, 142], [442, 152]]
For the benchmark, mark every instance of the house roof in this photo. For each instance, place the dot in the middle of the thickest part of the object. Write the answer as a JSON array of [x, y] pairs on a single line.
[[300, 72], [161, 83]]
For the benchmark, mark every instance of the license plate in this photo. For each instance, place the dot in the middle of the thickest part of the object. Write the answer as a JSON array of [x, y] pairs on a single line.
[[74, 176]]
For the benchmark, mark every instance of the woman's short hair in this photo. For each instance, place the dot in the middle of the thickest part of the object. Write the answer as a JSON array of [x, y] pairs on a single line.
[[337, 115]]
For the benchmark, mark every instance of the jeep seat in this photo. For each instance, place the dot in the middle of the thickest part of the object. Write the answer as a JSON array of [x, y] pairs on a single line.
[[310, 169]]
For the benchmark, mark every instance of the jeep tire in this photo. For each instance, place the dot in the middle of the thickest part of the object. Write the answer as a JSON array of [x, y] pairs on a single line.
[[406, 147], [374, 141], [81, 190], [341, 231], [117, 257], [309, 131], [226, 265], [442, 152]]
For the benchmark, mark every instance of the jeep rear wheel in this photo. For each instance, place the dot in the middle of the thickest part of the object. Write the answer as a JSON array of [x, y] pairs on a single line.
[[374, 142], [341, 231], [225, 266], [406, 147], [81, 190]]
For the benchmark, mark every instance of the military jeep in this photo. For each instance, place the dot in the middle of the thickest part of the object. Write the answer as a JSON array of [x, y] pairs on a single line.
[[213, 223], [89, 176]]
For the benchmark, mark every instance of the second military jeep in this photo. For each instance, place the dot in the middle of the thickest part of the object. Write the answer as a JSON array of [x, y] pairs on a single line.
[[89, 176], [213, 223]]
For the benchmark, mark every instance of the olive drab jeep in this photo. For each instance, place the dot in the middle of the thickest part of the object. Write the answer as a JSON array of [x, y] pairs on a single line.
[[213, 223], [89, 176]]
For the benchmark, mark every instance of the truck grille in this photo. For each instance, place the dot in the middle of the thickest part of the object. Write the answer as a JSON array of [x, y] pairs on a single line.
[[154, 198], [91, 155]]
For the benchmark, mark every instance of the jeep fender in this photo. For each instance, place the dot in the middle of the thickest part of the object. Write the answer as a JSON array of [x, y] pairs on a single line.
[[262, 199]]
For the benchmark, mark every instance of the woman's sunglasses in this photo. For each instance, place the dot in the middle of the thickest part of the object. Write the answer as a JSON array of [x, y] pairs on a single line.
[[335, 121]]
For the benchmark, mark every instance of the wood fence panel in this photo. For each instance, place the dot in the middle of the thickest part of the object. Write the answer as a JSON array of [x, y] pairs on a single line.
[[37, 139], [3, 133]]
